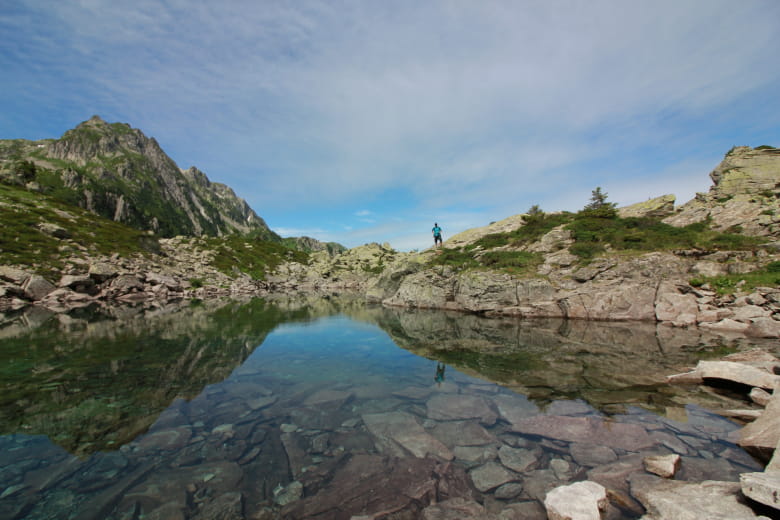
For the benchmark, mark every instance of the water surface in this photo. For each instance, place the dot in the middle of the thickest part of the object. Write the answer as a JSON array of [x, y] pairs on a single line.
[[332, 409]]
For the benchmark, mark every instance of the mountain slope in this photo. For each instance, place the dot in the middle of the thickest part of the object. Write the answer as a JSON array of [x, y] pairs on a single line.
[[117, 172]]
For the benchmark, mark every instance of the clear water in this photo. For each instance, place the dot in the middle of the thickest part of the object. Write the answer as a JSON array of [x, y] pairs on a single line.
[[331, 409]]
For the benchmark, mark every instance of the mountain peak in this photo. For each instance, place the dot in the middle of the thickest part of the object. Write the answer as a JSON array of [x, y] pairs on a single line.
[[116, 171]]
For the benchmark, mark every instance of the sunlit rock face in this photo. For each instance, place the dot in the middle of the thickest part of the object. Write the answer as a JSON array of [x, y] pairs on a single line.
[[744, 193]]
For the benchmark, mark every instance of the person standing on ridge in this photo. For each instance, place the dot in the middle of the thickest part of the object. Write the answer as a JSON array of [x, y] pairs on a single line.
[[436, 235]]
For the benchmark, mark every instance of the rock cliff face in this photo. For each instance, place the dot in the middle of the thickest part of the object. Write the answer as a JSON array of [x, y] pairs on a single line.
[[117, 172], [745, 194]]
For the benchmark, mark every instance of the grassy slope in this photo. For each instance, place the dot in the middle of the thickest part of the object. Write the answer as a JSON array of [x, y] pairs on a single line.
[[24, 243]]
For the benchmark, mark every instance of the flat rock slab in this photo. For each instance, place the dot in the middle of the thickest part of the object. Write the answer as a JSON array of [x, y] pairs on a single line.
[[458, 407], [737, 372], [402, 428], [462, 433], [586, 430], [579, 501], [491, 475], [763, 487], [330, 398], [515, 408], [710, 499]]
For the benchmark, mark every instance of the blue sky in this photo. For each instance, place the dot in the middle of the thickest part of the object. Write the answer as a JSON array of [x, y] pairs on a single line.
[[369, 120]]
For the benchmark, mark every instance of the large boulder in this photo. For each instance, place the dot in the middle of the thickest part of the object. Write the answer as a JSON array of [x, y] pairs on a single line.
[[579, 501], [694, 501], [620, 300]]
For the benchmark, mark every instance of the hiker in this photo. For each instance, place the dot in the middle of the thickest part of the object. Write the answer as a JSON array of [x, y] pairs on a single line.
[[436, 234], [439, 373]]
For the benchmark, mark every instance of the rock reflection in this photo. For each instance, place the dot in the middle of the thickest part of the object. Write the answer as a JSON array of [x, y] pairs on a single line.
[[331, 420], [95, 379]]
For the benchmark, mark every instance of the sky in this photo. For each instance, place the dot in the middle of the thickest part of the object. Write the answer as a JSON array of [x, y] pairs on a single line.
[[369, 120]]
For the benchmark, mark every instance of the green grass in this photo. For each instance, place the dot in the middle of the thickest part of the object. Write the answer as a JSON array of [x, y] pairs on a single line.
[[254, 257], [23, 243], [769, 276]]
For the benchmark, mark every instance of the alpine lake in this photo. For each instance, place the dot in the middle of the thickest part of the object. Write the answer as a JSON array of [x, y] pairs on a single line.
[[330, 408]]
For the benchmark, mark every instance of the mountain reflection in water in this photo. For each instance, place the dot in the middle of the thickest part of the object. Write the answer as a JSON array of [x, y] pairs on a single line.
[[308, 409]]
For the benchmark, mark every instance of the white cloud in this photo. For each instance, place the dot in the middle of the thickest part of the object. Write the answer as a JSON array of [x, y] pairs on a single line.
[[480, 106]]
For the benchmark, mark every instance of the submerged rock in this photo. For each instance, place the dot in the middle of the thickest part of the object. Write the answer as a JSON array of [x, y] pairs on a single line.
[[402, 428]]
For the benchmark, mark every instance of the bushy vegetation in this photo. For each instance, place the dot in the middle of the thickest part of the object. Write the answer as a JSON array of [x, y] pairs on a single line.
[[592, 235]]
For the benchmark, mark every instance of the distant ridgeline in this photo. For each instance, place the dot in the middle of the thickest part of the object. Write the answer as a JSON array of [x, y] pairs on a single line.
[[117, 172]]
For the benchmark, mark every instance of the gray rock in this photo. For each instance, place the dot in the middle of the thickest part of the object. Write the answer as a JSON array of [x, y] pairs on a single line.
[[579, 501], [508, 491], [763, 487], [54, 230], [518, 459], [590, 455], [492, 475], [36, 287], [101, 271]]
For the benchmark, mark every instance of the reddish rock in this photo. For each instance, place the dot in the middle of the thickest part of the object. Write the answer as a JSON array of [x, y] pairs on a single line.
[[372, 484]]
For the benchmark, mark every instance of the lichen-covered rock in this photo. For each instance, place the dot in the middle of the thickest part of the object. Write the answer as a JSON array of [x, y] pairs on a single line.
[[654, 208], [743, 194]]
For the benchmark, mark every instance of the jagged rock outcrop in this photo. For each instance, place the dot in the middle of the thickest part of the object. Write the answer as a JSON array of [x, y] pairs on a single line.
[[745, 194]]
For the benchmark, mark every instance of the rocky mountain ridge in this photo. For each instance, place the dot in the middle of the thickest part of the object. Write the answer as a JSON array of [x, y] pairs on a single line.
[[117, 172], [552, 265]]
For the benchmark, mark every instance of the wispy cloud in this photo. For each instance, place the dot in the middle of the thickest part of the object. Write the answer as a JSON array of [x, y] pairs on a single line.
[[477, 107]]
